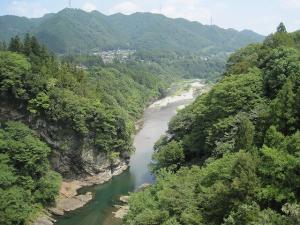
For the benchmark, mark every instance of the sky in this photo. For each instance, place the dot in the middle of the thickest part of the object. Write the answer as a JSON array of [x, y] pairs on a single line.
[[261, 16]]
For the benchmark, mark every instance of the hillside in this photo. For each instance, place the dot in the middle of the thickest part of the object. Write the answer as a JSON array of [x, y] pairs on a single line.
[[74, 30], [233, 156], [55, 116]]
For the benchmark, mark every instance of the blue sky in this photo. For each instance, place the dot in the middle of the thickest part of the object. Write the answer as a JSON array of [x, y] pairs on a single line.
[[261, 16]]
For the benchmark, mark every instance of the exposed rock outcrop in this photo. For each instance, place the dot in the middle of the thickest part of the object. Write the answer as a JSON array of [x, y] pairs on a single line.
[[74, 156], [69, 199]]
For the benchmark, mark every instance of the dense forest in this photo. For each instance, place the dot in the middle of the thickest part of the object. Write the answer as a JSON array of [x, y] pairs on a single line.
[[182, 48], [38, 90], [233, 156], [189, 65], [74, 30]]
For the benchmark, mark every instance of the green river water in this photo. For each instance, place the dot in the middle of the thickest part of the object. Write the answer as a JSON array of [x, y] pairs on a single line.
[[99, 210]]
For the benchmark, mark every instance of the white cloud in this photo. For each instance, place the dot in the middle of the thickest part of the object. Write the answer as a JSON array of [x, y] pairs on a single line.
[[127, 8], [189, 9], [290, 4], [26, 8], [89, 7]]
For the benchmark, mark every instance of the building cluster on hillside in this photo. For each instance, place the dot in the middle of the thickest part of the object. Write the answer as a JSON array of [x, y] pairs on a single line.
[[120, 55]]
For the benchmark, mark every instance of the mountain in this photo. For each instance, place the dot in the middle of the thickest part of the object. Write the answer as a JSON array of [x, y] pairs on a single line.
[[76, 30]]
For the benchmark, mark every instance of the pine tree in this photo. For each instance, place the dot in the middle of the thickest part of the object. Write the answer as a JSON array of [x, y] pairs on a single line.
[[35, 46], [27, 49], [281, 28], [15, 44], [3, 46], [284, 108]]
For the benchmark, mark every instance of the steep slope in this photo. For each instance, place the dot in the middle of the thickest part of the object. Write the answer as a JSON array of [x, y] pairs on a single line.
[[76, 30], [156, 32], [54, 115], [233, 156]]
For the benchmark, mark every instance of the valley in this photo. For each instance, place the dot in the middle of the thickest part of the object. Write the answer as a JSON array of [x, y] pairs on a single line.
[[155, 122], [144, 119]]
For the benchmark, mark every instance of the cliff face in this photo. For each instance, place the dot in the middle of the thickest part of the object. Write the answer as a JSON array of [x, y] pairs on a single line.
[[73, 156]]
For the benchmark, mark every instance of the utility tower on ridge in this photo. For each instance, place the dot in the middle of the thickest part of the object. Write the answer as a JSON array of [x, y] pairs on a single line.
[[70, 3], [160, 7]]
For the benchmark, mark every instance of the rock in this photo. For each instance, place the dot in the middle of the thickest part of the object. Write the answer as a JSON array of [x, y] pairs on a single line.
[[56, 212], [120, 213], [120, 168], [44, 219], [124, 199], [118, 206], [70, 204], [74, 156], [99, 178]]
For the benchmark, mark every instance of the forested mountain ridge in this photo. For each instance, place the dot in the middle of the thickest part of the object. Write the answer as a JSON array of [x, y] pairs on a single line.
[[74, 30], [233, 156]]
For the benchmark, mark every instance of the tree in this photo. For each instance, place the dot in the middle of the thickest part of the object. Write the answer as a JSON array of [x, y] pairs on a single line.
[[3, 46], [169, 156], [13, 68], [15, 44], [277, 65], [35, 46], [284, 109], [245, 134], [278, 168], [27, 46], [281, 28], [243, 60], [26, 181], [280, 38]]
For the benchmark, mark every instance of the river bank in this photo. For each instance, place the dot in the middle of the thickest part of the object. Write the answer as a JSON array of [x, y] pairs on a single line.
[[154, 123], [69, 199], [187, 91]]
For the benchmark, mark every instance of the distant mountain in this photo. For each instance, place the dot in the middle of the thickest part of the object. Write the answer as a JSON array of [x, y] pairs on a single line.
[[77, 30]]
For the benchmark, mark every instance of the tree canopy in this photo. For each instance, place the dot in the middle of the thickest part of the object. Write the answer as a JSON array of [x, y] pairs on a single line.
[[240, 144]]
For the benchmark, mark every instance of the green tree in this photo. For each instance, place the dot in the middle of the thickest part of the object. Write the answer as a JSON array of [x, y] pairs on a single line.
[[281, 28], [277, 65], [26, 181], [27, 46], [15, 44], [13, 68], [170, 156], [3, 46], [284, 109], [280, 38], [245, 133]]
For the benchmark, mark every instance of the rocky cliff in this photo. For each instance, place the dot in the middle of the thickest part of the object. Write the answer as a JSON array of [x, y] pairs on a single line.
[[73, 156]]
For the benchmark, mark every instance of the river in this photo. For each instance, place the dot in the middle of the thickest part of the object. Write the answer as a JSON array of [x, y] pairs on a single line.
[[155, 123]]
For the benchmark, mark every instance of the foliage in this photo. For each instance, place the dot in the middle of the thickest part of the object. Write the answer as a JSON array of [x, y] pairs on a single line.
[[26, 179], [169, 156], [99, 104], [244, 137], [77, 31]]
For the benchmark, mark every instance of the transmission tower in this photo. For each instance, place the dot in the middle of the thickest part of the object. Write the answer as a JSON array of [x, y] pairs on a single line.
[[160, 7]]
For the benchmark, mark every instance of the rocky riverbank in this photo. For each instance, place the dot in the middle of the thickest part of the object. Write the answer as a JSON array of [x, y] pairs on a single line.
[[123, 208], [188, 92], [69, 199]]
